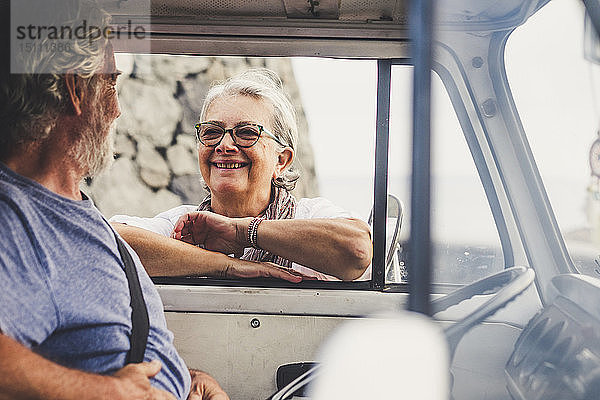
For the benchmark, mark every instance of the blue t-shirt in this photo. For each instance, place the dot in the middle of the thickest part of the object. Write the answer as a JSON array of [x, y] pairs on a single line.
[[63, 289]]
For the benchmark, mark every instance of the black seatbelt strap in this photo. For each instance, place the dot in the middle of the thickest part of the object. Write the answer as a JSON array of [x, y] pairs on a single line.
[[140, 324]]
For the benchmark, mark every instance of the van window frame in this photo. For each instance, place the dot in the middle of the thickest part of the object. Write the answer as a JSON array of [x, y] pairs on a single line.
[[377, 281], [380, 174]]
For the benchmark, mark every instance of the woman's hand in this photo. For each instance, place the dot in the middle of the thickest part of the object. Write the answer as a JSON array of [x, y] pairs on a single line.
[[205, 387], [213, 232], [216, 232], [253, 269]]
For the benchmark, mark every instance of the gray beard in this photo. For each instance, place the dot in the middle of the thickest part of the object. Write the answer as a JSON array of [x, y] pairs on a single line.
[[94, 152]]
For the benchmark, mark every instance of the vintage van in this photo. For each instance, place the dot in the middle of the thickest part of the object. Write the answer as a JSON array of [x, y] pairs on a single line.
[[496, 219]]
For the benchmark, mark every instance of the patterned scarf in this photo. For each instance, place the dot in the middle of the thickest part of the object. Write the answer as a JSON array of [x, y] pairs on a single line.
[[282, 206]]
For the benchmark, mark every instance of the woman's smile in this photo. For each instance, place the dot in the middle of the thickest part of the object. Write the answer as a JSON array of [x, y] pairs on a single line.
[[229, 165]]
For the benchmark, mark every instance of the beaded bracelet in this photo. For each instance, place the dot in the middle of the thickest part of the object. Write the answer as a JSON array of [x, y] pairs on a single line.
[[253, 231]]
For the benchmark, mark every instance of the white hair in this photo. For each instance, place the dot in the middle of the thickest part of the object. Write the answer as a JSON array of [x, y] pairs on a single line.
[[31, 102]]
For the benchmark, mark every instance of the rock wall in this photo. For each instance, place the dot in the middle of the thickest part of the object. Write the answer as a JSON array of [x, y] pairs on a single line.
[[155, 148]]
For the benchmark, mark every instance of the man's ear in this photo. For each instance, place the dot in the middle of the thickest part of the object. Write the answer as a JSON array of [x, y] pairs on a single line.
[[284, 160], [75, 91]]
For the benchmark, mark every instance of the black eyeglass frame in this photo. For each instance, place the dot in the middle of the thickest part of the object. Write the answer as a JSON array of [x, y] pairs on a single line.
[[261, 129]]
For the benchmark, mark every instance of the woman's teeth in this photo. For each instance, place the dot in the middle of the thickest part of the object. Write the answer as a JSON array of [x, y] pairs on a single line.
[[229, 165]]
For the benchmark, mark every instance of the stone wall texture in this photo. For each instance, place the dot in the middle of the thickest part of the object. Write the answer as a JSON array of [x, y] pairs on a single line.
[[156, 164]]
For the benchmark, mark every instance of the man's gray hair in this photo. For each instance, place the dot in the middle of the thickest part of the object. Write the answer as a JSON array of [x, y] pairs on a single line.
[[264, 84], [31, 102]]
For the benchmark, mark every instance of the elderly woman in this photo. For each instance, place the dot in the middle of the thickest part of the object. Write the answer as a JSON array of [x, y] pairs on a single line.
[[247, 140]]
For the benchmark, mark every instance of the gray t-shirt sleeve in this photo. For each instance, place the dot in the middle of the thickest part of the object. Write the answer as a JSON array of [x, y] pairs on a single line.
[[28, 312]]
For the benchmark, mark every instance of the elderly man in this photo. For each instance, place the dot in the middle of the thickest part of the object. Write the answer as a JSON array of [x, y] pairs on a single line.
[[68, 284]]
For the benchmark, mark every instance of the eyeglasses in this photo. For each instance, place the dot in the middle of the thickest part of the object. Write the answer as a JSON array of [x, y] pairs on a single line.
[[245, 135]]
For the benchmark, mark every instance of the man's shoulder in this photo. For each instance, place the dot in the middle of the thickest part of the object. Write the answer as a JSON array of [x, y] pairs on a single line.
[[23, 213], [15, 203], [12, 202], [15, 225], [13, 192]]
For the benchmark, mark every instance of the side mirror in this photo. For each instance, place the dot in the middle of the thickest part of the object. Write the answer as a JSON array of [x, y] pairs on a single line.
[[382, 356]]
